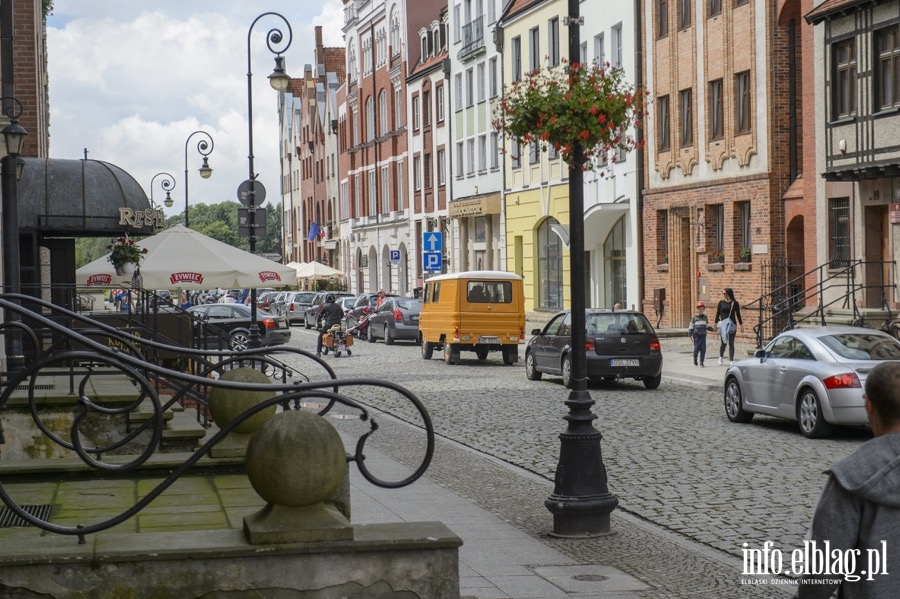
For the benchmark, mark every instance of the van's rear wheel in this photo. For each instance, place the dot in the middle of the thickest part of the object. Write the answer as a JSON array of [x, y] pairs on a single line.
[[510, 355], [427, 350], [451, 354]]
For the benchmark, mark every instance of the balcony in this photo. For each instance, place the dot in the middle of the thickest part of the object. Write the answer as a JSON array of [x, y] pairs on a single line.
[[472, 38]]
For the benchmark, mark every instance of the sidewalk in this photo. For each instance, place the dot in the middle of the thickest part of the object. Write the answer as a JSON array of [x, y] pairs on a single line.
[[678, 363]]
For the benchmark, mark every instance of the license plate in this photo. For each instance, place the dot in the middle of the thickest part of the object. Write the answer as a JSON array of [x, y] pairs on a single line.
[[414, 318], [489, 340], [624, 362]]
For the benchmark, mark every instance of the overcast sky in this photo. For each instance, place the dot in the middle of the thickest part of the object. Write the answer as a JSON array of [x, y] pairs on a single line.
[[130, 80]]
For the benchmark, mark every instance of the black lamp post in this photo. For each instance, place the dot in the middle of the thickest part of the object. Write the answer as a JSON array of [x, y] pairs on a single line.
[[205, 147], [13, 139], [581, 502], [168, 184], [279, 80]]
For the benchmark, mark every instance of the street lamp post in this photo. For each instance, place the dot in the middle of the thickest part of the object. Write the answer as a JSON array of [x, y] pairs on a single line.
[[168, 184], [279, 80], [13, 138], [581, 502], [205, 148]]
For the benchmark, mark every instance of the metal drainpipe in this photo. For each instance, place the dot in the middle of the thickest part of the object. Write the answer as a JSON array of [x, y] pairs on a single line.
[[639, 136]]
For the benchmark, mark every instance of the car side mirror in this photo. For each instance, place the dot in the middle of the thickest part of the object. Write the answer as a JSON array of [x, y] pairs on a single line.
[[761, 354], [535, 331]]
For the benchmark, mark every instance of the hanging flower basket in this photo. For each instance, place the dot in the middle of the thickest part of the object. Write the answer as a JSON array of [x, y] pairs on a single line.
[[572, 105], [125, 255]]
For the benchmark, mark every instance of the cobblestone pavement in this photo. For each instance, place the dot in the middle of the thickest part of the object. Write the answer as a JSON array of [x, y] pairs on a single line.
[[677, 465]]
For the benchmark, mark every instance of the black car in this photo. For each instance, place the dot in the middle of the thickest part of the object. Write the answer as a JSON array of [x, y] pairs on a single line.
[[231, 322], [364, 305], [312, 310], [620, 344]]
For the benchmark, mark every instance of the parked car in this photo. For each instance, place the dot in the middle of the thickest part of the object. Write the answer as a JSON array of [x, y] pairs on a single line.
[[397, 318], [312, 310], [363, 305], [229, 296], [295, 305], [247, 295], [814, 375], [276, 302], [232, 321], [346, 303], [619, 344], [263, 300], [163, 297]]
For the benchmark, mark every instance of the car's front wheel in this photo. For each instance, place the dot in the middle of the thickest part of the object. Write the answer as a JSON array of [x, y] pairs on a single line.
[[531, 371], [567, 371], [306, 324], [734, 408], [809, 415], [370, 330]]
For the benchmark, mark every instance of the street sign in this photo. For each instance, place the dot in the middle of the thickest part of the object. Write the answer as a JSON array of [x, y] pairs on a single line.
[[259, 193], [432, 241], [259, 222], [432, 261], [395, 256]]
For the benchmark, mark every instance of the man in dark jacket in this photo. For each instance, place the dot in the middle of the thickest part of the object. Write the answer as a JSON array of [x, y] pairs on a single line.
[[858, 515], [330, 315]]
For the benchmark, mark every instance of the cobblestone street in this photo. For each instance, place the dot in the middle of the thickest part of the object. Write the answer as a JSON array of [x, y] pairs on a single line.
[[672, 457]]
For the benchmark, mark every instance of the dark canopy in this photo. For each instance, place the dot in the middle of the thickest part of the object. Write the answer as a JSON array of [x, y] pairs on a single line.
[[79, 198]]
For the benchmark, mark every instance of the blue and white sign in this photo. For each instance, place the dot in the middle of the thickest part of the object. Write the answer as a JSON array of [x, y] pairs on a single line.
[[432, 261], [433, 241], [395, 256]]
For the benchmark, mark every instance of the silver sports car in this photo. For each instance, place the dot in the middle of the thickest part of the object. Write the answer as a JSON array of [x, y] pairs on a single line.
[[814, 375]]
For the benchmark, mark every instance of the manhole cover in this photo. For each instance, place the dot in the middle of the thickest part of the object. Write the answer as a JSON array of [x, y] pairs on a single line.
[[589, 578]]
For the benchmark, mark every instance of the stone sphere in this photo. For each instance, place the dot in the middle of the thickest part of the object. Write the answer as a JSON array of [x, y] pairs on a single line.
[[296, 459], [227, 404]]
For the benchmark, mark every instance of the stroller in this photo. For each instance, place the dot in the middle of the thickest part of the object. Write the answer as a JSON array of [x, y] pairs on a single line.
[[337, 340], [359, 329]]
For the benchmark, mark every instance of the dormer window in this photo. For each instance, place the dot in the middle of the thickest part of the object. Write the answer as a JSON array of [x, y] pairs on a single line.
[[424, 47]]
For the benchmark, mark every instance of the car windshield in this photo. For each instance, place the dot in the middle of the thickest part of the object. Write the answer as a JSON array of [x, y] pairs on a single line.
[[862, 346], [617, 323]]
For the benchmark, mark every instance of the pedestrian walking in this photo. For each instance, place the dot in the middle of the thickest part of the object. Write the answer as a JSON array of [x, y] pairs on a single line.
[[728, 318], [697, 332], [858, 513]]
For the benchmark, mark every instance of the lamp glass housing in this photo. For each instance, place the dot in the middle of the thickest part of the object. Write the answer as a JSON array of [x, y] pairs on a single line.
[[279, 79], [14, 138], [205, 170]]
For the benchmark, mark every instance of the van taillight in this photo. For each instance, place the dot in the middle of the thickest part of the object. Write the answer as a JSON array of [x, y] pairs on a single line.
[[398, 315], [654, 344], [521, 334]]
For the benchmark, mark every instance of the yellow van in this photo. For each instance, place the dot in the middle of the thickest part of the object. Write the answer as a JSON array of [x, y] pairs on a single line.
[[479, 311]]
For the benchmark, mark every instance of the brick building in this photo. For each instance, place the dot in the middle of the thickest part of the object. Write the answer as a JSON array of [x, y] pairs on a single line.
[[725, 204]]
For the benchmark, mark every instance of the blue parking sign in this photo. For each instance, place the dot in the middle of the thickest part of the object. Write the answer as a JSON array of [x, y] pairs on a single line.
[[395, 255], [432, 261]]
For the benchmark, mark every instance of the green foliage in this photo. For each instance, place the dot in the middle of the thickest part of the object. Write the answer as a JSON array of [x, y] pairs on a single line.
[[47, 7]]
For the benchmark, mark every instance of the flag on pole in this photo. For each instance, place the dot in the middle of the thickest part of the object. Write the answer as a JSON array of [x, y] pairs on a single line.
[[313, 231]]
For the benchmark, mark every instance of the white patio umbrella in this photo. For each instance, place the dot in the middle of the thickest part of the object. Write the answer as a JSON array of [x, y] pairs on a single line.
[[183, 258], [316, 270]]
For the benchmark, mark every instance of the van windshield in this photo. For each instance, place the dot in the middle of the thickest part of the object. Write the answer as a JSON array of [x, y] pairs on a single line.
[[489, 292]]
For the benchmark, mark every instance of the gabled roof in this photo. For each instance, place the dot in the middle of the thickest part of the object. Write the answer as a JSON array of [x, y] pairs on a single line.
[[831, 9], [514, 7]]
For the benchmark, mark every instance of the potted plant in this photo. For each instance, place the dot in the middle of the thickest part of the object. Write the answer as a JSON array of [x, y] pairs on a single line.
[[665, 259], [125, 255], [580, 110], [745, 254], [719, 256]]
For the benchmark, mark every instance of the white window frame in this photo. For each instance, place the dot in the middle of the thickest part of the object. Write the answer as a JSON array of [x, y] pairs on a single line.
[[480, 82], [459, 92], [373, 181], [470, 156], [494, 87], [383, 112], [482, 153], [495, 150], [385, 189], [442, 167], [417, 173], [415, 112], [600, 50], [459, 160], [401, 206], [534, 48], [470, 87], [439, 100]]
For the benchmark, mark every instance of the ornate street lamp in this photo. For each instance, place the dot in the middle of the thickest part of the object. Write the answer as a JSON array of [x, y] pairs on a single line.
[[13, 139], [168, 184], [279, 80], [581, 502], [205, 148]]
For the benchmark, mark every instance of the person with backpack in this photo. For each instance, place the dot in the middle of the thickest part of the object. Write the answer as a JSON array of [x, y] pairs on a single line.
[[728, 317]]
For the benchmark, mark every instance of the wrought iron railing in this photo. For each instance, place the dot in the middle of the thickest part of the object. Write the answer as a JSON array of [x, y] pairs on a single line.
[[85, 353], [472, 37]]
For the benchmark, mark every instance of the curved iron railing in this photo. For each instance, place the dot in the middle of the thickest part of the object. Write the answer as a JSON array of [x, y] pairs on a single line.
[[92, 356]]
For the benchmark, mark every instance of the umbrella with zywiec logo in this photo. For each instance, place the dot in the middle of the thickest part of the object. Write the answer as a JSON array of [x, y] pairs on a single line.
[[181, 257]]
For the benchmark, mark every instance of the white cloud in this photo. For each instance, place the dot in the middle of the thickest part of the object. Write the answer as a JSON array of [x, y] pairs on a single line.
[[131, 83]]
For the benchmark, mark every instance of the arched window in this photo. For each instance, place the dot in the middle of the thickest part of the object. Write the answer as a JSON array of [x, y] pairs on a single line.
[[370, 119], [351, 62], [395, 32], [383, 113], [614, 265], [550, 266]]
